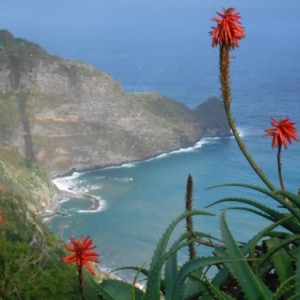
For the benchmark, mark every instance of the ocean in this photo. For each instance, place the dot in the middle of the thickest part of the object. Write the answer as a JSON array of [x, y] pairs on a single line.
[[164, 46]]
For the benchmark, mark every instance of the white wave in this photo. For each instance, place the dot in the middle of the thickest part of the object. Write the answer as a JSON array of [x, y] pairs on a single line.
[[128, 165], [125, 179], [250, 131], [66, 183], [95, 187], [48, 219], [241, 131], [160, 156], [72, 186], [102, 207], [198, 145], [63, 200]]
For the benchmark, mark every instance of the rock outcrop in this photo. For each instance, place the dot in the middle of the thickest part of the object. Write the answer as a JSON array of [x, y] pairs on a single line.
[[67, 115]]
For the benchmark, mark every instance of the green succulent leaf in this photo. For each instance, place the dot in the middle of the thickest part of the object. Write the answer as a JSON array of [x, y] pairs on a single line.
[[297, 288], [171, 270], [195, 286], [285, 288], [295, 297], [251, 285], [274, 248], [159, 258], [281, 260], [119, 290], [269, 193], [294, 198], [134, 283], [274, 215], [220, 295], [182, 241], [188, 268], [250, 246]]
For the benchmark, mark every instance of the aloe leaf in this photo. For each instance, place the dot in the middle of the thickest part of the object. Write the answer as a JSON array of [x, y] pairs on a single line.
[[295, 297], [104, 295], [220, 252], [280, 234], [154, 276], [219, 294], [281, 262], [285, 287], [276, 247], [269, 193], [257, 212], [171, 270], [291, 196], [134, 283], [171, 266], [188, 268], [282, 265], [119, 290], [251, 285], [203, 289], [297, 289], [249, 247], [195, 286], [223, 274], [289, 225]]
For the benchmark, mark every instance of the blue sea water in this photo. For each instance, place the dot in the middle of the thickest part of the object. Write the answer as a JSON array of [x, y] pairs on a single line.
[[164, 46]]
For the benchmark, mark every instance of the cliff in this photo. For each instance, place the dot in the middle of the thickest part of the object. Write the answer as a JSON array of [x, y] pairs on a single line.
[[66, 115]]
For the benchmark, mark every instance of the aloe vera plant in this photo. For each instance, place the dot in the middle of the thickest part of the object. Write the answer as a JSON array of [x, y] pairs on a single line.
[[267, 266]]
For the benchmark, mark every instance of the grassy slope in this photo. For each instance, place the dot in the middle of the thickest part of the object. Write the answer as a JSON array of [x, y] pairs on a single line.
[[23, 178], [169, 110]]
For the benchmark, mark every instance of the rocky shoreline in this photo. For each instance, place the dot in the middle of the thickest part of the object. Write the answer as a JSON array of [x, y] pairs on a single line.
[[53, 209], [61, 195]]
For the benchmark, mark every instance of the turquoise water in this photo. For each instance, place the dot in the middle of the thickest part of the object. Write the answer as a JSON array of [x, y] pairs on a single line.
[[138, 201], [164, 46]]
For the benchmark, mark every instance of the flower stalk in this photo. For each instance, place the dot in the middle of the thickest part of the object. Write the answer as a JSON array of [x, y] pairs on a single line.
[[189, 219], [79, 270], [279, 167], [226, 35]]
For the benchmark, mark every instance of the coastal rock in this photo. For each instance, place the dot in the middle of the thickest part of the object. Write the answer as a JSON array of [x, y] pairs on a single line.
[[66, 115], [214, 118]]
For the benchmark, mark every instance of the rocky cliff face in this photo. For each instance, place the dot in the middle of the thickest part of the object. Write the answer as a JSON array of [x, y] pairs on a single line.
[[66, 115]]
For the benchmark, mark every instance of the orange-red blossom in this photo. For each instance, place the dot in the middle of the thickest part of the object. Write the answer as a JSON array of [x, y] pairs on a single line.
[[82, 254], [283, 131], [228, 30]]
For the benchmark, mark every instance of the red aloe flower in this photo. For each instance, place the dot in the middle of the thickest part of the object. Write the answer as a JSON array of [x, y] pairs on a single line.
[[282, 133], [82, 253], [228, 30]]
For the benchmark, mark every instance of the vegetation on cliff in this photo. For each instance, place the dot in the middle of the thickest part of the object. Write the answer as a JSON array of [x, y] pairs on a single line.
[[22, 177], [30, 257]]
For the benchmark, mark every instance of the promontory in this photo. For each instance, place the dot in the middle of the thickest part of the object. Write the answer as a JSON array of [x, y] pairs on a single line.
[[66, 115]]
